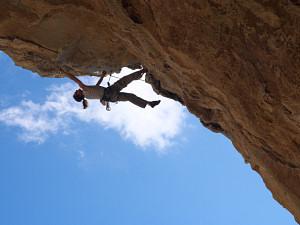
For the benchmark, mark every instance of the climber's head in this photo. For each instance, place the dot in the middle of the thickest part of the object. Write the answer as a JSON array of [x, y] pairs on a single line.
[[78, 96]]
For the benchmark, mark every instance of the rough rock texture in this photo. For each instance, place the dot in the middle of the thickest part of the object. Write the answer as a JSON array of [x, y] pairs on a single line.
[[234, 64]]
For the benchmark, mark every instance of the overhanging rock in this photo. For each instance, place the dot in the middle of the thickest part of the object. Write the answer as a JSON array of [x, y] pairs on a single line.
[[234, 64]]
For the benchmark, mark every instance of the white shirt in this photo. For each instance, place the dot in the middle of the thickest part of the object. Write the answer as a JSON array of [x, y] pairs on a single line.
[[94, 92]]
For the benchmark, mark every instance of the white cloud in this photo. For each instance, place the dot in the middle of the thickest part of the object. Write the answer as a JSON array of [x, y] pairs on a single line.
[[81, 154], [145, 127]]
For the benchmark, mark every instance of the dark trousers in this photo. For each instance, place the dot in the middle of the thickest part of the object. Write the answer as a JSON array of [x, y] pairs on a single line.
[[116, 95]]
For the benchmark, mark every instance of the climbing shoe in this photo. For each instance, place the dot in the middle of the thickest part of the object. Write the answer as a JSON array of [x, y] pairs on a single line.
[[154, 103], [144, 70]]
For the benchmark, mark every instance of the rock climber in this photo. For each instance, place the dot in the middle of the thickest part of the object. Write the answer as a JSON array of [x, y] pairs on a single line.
[[110, 94]]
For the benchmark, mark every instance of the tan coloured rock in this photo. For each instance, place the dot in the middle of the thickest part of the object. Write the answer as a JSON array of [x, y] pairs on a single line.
[[234, 64]]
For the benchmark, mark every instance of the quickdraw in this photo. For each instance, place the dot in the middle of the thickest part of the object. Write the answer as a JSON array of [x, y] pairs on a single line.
[[106, 96]]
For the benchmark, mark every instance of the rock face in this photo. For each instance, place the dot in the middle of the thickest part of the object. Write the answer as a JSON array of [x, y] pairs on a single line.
[[234, 64]]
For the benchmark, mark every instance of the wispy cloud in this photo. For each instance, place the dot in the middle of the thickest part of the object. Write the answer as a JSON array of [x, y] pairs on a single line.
[[145, 127], [81, 154]]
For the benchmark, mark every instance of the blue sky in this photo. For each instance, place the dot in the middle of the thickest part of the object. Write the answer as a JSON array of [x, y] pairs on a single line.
[[60, 164]]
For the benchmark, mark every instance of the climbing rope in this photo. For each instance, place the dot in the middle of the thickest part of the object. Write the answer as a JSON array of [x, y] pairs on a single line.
[[120, 78]]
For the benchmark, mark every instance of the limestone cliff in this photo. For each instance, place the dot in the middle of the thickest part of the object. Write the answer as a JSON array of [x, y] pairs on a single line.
[[235, 64]]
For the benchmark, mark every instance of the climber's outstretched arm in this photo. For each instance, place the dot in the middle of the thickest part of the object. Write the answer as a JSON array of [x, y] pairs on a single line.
[[101, 78], [72, 77]]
